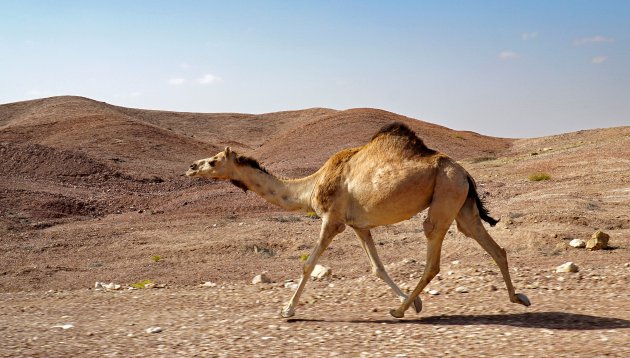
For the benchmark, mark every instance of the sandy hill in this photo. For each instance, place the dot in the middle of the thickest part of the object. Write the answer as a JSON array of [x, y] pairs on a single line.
[[67, 156]]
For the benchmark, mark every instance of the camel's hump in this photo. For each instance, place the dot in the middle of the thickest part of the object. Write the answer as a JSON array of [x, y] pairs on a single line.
[[410, 141], [396, 129]]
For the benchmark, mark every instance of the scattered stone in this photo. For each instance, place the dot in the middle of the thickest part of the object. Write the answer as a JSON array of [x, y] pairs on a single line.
[[290, 285], [492, 288], [599, 241], [461, 289], [154, 329], [262, 278], [561, 246], [577, 243], [433, 292], [456, 262], [107, 286], [567, 267], [408, 261], [64, 326], [209, 284], [320, 272]]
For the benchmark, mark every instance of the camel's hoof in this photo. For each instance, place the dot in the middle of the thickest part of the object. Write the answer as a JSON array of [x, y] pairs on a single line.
[[287, 311], [397, 313], [417, 304], [522, 299]]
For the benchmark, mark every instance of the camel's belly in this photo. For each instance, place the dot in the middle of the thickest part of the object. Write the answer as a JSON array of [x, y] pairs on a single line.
[[388, 207]]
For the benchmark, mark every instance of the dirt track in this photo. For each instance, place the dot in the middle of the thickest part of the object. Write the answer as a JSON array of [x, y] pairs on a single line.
[[91, 192]]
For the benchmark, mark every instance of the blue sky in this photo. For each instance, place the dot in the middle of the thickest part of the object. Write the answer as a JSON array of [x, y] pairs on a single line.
[[502, 68]]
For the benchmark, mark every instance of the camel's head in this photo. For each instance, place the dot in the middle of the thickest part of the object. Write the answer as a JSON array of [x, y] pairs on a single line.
[[218, 167]]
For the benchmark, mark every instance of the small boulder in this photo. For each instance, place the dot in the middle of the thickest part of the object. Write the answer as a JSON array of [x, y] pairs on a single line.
[[577, 243], [599, 241], [102, 286], [567, 267], [153, 330], [320, 272], [262, 278], [461, 289]]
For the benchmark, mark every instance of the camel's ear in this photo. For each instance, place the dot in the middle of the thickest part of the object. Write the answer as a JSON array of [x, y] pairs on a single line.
[[228, 151]]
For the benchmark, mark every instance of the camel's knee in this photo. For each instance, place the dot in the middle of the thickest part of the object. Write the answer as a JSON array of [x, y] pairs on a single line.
[[428, 227], [431, 272]]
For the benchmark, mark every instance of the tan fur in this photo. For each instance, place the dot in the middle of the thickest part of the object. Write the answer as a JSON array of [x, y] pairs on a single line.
[[390, 179]]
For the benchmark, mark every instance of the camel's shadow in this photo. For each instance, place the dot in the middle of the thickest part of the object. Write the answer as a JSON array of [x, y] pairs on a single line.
[[548, 320]]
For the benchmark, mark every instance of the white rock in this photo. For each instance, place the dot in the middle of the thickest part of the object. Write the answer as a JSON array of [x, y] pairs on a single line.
[[107, 286], [461, 289], [63, 326], [320, 272], [290, 285], [154, 329], [209, 284], [433, 292], [262, 278], [577, 243], [567, 267]]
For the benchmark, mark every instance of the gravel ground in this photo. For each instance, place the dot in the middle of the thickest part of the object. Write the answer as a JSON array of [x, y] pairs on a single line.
[[584, 314]]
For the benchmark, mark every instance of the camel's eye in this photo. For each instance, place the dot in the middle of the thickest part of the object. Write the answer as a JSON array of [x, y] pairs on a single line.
[[193, 166], [212, 162]]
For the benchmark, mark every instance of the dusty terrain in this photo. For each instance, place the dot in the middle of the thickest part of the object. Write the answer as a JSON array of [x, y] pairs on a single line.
[[93, 192]]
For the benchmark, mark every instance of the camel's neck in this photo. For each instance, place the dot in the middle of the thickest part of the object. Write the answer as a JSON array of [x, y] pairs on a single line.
[[291, 194]]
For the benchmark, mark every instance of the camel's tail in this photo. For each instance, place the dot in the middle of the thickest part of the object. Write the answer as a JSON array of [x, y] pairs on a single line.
[[483, 212]]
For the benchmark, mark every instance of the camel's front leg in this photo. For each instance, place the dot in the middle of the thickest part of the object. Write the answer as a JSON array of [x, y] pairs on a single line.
[[378, 269], [328, 232]]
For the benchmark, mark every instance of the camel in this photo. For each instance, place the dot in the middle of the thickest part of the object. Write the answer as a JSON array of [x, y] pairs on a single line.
[[388, 180]]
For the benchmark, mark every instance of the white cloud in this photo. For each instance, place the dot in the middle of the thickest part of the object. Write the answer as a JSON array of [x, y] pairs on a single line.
[[209, 79], [526, 36], [135, 94], [184, 65], [177, 81], [592, 40], [599, 60], [508, 55]]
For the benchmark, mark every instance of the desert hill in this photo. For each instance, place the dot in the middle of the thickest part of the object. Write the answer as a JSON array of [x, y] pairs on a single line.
[[55, 151]]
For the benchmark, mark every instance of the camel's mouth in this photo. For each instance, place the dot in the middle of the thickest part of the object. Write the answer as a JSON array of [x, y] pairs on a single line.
[[191, 173]]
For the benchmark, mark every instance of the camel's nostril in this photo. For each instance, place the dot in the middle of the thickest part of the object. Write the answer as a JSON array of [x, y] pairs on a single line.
[[193, 166]]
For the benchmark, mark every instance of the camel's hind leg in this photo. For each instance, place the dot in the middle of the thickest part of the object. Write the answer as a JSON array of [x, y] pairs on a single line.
[[469, 223], [435, 226], [378, 269]]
